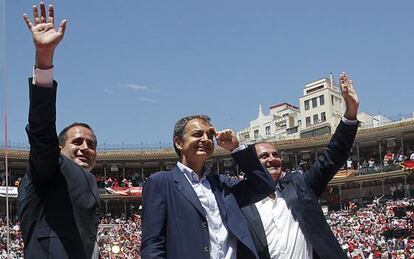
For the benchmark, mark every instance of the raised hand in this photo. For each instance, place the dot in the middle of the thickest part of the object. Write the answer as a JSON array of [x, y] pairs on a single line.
[[44, 34], [227, 140], [350, 96]]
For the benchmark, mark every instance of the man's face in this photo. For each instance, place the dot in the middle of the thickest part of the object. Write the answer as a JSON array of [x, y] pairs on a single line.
[[197, 143], [270, 159], [80, 147]]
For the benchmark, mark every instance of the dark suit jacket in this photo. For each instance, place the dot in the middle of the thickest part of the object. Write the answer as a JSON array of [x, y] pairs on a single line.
[[58, 200], [301, 192], [174, 221]]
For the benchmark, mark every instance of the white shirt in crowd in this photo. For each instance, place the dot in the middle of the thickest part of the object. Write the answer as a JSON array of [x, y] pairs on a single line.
[[349, 164]]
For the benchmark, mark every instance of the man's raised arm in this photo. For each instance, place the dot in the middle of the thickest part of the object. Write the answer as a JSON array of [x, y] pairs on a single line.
[[41, 130]]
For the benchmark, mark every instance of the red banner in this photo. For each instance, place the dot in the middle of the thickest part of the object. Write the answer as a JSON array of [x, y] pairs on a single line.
[[126, 191], [408, 164]]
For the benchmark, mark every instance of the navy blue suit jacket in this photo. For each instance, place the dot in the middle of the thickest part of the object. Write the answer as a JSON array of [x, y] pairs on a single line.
[[58, 201], [301, 192], [174, 221]]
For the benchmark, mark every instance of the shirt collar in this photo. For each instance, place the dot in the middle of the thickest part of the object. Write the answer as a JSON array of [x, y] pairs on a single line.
[[278, 187], [191, 175]]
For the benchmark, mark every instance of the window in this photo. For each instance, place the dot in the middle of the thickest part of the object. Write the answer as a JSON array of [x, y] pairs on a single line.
[[315, 119], [314, 102], [321, 100], [306, 105], [256, 134], [292, 131], [267, 129], [308, 121], [323, 117]]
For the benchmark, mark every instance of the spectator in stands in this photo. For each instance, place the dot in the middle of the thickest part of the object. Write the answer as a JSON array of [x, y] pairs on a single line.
[[386, 163], [108, 182], [412, 156], [376, 201], [58, 197], [349, 163], [389, 157], [400, 158], [289, 223], [115, 183], [17, 182], [371, 165], [190, 212]]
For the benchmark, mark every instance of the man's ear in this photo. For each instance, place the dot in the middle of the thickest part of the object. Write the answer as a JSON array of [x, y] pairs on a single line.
[[178, 143]]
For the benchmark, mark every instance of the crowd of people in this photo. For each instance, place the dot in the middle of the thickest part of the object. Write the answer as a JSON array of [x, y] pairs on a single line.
[[373, 231], [119, 237], [110, 182], [367, 165], [15, 240], [113, 233]]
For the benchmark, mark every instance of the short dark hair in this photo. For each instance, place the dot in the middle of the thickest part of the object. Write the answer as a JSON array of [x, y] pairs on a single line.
[[63, 135], [180, 125]]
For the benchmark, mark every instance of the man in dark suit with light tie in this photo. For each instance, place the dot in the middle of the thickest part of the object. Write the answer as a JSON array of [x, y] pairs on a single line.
[[58, 197], [190, 212], [289, 223]]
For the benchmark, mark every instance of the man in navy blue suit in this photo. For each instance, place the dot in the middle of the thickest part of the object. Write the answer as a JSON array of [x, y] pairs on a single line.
[[289, 223], [58, 197], [191, 212]]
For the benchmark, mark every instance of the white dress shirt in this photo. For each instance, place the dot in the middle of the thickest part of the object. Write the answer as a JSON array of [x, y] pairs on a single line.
[[223, 244], [43, 77], [284, 237]]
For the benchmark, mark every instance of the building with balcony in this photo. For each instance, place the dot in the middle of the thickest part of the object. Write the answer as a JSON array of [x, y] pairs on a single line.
[[321, 107], [281, 123]]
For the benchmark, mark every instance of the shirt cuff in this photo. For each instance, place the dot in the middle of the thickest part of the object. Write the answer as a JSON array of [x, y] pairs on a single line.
[[43, 77], [240, 148], [349, 122]]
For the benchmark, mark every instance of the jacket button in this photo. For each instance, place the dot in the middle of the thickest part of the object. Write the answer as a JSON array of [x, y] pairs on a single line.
[[204, 224], [206, 249]]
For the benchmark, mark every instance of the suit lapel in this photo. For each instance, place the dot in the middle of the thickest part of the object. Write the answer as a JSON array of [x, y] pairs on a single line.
[[94, 187], [184, 187], [253, 216], [89, 177], [289, 193]]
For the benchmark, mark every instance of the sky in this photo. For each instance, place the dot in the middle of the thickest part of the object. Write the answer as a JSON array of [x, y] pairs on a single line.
[[132, 68]]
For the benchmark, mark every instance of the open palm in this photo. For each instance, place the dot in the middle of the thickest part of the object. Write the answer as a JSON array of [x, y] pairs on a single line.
[[44, 34]]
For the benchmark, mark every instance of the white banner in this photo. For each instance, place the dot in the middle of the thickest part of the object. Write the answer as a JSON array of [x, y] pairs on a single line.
[[12, 191]]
